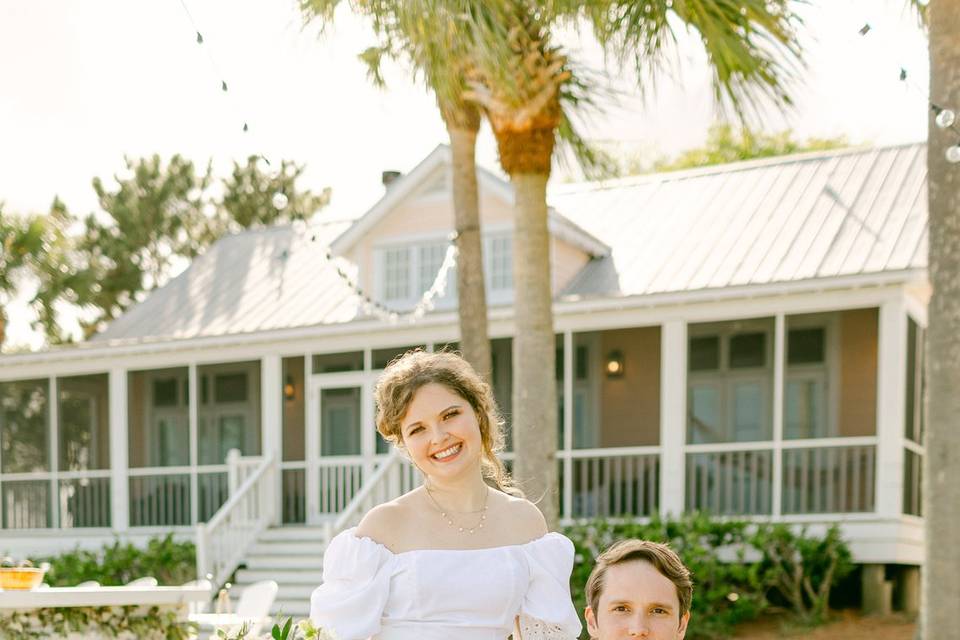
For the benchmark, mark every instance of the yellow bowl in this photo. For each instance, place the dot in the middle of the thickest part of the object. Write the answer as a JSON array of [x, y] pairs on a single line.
[[20, 578]]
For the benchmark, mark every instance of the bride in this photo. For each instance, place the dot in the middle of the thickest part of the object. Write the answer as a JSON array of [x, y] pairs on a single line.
[[461, 556]]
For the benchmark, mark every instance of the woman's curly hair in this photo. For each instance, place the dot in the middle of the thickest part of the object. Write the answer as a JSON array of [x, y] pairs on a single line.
[[405, 375]]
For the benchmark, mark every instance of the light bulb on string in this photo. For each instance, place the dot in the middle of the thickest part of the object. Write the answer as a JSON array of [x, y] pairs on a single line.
[[280, 200], [953, 154], [945, 118]]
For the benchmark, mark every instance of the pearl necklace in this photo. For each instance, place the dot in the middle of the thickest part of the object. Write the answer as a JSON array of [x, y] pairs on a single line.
[[482, 512]]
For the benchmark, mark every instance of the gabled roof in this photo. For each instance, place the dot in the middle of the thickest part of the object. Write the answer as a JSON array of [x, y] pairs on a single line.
[[793, 218], [438, 162], [806, 216]]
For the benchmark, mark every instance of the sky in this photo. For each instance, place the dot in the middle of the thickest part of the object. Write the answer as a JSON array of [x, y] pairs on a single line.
[[84, 84]]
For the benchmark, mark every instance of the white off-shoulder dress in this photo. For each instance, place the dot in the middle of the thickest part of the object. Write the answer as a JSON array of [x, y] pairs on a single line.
[[433, 594]]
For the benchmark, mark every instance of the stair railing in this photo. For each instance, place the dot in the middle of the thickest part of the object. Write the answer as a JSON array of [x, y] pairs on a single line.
[[226, 537], [392, 478]]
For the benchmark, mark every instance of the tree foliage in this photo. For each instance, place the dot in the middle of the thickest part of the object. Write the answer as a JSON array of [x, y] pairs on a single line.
[[153, 218], [724, 144]]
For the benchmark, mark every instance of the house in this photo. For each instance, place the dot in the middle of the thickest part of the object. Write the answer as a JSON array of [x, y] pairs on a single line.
[[741, 339]]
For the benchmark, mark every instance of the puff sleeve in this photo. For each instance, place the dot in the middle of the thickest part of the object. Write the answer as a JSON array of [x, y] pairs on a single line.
[[356, 583], [547, 610]]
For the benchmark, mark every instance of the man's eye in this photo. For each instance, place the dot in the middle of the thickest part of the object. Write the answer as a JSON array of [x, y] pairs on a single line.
[[620, 608], [659, 611]]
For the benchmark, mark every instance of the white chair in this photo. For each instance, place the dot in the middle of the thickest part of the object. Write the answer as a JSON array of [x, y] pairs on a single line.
[[89, 584], [255, 602], [146, 581]]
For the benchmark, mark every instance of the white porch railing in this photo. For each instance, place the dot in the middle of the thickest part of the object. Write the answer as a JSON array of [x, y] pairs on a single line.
[[611, 483], [393, 477], [225, 538], [817, 476]]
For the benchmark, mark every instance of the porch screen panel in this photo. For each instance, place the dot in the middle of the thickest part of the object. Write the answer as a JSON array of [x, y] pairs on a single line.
[[159, 418], [916, 382], [830, 379], [229, 410], [84, 419], [730, 382], [23, 426]]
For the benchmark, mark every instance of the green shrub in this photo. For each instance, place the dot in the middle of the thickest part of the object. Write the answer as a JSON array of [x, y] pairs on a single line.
[[803, 569], [735, 565], [169, 561]]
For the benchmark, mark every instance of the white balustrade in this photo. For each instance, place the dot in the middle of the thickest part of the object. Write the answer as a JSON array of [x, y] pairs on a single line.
[[223, 541], [613, 483], [393, 477]]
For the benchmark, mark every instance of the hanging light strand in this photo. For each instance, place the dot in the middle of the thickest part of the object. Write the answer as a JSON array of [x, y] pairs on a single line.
[[221, 78], [427, 301], [943, 117]]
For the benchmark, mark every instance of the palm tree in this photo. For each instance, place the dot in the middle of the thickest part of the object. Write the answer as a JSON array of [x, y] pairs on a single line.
[[429, 44], [941, 580], [524, 83]]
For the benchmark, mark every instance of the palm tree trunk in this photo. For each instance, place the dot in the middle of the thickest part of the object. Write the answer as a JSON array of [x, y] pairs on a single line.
[[534, 387], [471, 292], [941, 575]]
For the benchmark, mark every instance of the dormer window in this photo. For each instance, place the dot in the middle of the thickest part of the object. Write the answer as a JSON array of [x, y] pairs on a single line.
[[396, 274], [406, 271]]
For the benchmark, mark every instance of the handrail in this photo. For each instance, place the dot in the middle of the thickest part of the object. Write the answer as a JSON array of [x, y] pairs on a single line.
[[360, 502], [225, 538]]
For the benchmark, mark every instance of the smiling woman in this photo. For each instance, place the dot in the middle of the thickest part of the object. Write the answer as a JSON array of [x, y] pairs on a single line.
[[464, 555]]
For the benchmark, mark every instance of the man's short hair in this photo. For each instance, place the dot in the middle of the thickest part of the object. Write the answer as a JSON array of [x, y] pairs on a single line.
[[661, 556]]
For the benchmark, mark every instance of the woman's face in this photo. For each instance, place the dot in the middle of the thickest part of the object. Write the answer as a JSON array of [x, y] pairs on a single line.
[[441, 432]]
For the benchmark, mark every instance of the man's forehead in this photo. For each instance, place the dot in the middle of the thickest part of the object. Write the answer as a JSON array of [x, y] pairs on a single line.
[[638, 581]]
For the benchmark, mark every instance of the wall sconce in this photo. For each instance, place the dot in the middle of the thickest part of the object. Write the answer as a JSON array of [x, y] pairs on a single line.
[[614, 364], [289, 390]]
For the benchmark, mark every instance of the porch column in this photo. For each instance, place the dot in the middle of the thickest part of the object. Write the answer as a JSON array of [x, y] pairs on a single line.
[[568, 423], [779, 358], [891, 387], [194, 407], [673, 411], [271, 420], [119, 452]]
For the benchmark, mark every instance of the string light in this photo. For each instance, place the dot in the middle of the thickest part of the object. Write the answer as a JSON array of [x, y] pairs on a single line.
[[372, 307], [280, 200], [944, 118], [216, 70]]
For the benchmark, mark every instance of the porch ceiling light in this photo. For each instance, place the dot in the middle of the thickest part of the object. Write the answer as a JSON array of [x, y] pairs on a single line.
[[615, 364], [289, 390]]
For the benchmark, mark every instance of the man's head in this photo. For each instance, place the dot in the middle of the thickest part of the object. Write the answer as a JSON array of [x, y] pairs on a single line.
[[638, 589]]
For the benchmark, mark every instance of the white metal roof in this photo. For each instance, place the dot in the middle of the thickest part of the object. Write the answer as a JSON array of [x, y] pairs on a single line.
[[785, 219], [252, 281], [807, 216]]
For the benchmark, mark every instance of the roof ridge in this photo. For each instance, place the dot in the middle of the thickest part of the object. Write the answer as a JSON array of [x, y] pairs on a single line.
[[726, 168]]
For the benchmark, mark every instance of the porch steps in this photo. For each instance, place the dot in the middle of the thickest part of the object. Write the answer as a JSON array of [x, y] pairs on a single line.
[[293, 557]]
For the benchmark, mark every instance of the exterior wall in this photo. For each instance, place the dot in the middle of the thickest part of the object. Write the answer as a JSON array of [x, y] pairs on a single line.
[[859, 334], [566, 262], [630, 405]]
